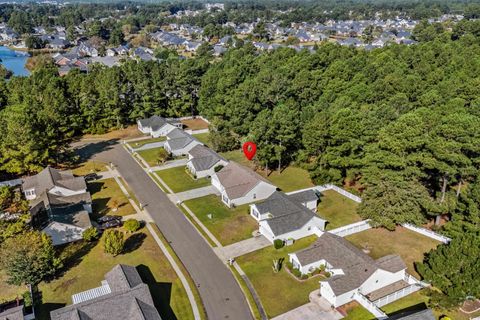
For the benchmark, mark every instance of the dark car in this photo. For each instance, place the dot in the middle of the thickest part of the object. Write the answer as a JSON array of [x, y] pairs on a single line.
[[108, 218], [91, 177], [110, 224]]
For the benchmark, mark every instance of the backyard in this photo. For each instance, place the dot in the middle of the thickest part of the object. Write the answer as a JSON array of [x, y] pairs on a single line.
[[279, 292], [203, 138], [83, 272], [106, 195], [179, 180], [195, 124], [338, 210], [409, 245], [227, 225], [289, 179], [90, 166]]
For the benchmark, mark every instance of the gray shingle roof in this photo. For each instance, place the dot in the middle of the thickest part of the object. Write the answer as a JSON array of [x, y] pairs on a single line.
[[391, 263], [204, 158], [304, 196], [341, 254], [12, 314], [50, 177], [178, 139], [156, 122], [287, 213], [426, 314], [238, 180], [130, 299]]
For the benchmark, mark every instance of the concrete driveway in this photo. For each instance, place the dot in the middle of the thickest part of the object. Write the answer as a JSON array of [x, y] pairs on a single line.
[[242, 247], [220, 293], [317, 309], [195, 193], [147, 146], [170, 164]]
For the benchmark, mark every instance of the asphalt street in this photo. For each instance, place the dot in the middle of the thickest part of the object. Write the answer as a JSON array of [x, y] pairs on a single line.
[[220, 293]]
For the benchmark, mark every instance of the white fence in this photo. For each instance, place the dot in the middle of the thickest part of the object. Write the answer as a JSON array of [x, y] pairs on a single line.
[[189, 118], [370, 306], [326, 187], [427, 233], [351, 228], [197, 131], [397, 295]]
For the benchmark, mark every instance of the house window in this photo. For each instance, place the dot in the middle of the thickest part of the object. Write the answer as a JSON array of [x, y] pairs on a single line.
[[309, 228], [254, 196]]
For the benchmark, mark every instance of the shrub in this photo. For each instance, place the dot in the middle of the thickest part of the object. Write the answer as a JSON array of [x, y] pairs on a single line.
[[90, 234], [327, 274], [304, 277], [27, 298], [290, 266], [296, 273], [321, 268], [218, 168], [113, 242], [278, 244], [131, 225]]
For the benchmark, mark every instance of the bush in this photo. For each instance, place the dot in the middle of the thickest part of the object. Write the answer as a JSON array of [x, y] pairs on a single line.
[[90, 234], [296, 273], [131, 225], [278, 244], [218, 168], [113, 242], [27, 299], [290, 266], [304, 277], [327, 274]]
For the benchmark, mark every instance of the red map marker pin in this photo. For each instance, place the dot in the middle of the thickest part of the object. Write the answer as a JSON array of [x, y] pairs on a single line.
[[249, 148]]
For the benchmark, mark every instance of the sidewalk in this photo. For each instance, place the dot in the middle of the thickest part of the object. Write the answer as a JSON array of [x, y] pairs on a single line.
[[143, 215]]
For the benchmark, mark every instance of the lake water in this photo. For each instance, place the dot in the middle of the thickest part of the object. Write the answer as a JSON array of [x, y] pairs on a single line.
[[14, 61]]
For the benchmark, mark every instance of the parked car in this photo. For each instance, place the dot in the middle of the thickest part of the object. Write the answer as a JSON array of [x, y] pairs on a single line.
[[108, 218], [110, 224], [91, 177]]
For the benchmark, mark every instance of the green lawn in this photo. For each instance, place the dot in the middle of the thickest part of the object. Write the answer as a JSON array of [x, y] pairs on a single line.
[[290, 179], [9, 292], [150, 156], [105, 194], [227, 225], [89, 264], [203, 137], [279, 292], [410, 245], [179, 180], [141, 143], [337, 209]]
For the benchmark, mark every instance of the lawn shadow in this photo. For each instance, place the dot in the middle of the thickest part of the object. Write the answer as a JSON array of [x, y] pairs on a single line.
[[134, 242], [95, 186], [99, 207], [407, 311], [72, 254], [42, 311], [87, 151], [161, 293]]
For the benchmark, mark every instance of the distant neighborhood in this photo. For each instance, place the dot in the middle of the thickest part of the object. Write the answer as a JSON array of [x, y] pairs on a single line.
[[83, 51]]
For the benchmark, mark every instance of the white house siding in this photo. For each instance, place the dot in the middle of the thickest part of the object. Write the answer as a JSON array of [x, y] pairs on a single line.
[[65, 192], [216, 183], [191, 168], [206, 173], [380, 279], [256, 214], [310, 228], [327, 293], [344, 298], [306, 268], [146, 130]]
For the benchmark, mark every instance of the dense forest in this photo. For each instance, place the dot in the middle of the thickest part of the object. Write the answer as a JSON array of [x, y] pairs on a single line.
[[400, 124]]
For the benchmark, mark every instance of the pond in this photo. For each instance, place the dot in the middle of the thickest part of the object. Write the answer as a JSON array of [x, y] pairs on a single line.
[[14, 61]]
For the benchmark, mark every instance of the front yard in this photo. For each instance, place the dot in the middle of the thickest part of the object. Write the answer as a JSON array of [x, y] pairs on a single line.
[[279, 292], [227, 225], [337, 209], [151, 156], [91, 166], [411, 246], [141, 143], [88, 264], [179, 180], [106, 195]]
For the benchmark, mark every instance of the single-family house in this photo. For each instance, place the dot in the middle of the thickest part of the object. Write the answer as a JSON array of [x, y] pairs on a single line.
[[157, 126], [202, 161], [122, 295], [239, 185], [179, 142], [59, 204], [353, 272], [284, 217]]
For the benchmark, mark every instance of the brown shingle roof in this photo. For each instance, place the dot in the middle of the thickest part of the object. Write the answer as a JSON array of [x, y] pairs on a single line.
[[50, 177], [238, 180]]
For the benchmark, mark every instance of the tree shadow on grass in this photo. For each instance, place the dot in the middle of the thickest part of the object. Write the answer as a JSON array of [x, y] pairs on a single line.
[[95, 186], [407, 311], [161, 293], [88, 151], [134, 242], [72, 254]]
